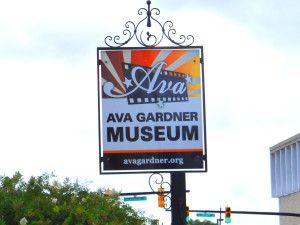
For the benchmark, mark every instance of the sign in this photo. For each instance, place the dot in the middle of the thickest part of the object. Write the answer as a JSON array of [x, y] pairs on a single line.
[[131, 199], [151, 110], [205, 214]]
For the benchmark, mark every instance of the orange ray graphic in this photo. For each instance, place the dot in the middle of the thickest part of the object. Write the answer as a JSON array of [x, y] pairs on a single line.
[[194, 87], [192, 67], [194, 95], [174, 56], [144, 57]]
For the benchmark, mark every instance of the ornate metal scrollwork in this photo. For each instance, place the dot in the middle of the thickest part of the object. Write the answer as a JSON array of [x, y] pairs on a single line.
[[156, 180], [149, 32]]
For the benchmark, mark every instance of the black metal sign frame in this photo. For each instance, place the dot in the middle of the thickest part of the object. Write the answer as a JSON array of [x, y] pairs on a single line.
[[196, 162]]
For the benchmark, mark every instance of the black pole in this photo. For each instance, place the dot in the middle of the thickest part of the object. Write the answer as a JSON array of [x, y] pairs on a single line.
[[143, 193], [178, 198], [220, 220]]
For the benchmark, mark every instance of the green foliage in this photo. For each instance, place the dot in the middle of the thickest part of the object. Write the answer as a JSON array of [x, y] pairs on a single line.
[[45, 202], [197, 222], [151, 222]]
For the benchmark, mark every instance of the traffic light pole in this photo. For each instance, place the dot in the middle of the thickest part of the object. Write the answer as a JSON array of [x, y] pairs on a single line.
[[219, 221], [178, 198]]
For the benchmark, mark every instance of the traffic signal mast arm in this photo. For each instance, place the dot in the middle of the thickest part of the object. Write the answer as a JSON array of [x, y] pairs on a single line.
[[144, 193], [252, 212]]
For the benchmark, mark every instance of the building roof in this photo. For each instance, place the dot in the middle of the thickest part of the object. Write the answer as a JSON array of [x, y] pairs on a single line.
[[286, 142]]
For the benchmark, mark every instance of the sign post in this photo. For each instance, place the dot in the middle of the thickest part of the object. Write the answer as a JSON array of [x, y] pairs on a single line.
[[178, 198], [151, 106]]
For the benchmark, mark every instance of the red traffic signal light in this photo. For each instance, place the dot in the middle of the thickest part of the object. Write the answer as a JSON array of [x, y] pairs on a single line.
[[227, 215]]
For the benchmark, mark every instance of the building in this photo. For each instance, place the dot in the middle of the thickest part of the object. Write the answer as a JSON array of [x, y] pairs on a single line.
[[285, 177]]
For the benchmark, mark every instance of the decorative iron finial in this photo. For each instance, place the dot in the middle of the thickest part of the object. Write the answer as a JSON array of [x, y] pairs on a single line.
[[151, 33], [149, 14]]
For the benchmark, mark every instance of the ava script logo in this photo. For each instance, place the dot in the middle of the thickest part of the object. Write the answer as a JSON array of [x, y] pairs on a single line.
[[151, 84]]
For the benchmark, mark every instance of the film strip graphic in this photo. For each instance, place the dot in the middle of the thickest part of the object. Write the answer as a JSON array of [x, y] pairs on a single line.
[[164, 80]]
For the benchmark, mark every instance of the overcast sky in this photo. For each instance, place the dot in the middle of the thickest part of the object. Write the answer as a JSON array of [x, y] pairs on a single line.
[[48, 93]]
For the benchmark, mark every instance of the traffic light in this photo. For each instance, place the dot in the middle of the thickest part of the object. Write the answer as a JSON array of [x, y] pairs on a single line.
[[108, 192], [161, 197], [187, 214], [227, 215]]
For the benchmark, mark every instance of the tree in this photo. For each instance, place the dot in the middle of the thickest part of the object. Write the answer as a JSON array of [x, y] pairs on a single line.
[[45, 202], [197, 222]]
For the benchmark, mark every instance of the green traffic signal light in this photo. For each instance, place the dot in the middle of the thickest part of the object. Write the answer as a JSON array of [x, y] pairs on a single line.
[[227, 220]]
